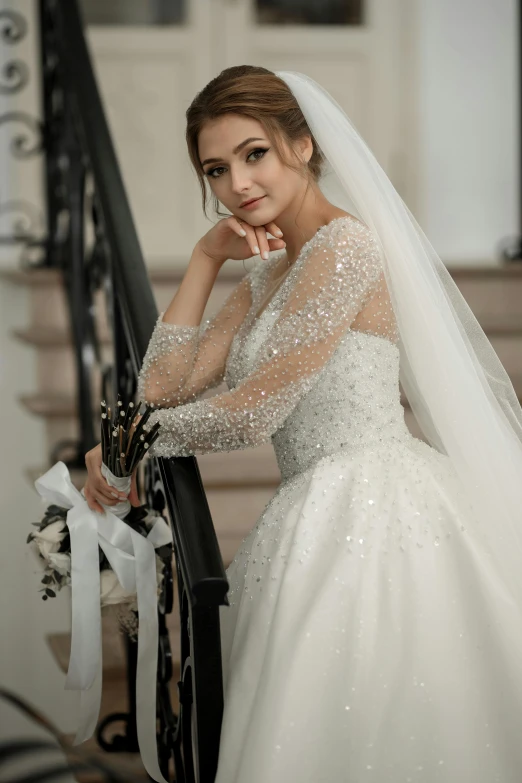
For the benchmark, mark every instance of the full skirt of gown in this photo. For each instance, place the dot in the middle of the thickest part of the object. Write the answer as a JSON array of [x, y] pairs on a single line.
[[368, 636]]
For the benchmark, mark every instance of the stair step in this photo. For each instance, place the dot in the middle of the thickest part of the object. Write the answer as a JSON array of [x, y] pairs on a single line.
[[252, 468], [50, 337], [496, 325], [493, 293], [124, 763], [39, 278], [172, 275], [55, 405], [113, 650], [50, 405]]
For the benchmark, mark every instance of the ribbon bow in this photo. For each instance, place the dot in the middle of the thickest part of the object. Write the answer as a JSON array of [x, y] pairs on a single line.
[[133, 559]]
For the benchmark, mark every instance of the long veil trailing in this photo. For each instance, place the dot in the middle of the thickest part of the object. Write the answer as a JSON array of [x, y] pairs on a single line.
[[456, 385]]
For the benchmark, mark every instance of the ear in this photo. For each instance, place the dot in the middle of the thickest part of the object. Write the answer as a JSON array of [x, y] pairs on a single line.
[[306, 147]]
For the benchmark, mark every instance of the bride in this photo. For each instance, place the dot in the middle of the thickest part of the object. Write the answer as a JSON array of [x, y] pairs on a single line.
[[374, 631]]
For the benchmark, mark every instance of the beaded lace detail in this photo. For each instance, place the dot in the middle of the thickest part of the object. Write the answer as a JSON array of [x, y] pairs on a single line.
[[182, 362], [311, 336]]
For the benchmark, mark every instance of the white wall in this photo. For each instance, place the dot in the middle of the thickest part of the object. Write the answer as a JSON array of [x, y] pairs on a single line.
[[26, 663], [466, 98]]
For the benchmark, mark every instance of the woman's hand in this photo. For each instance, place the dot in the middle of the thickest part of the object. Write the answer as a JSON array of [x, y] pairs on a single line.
[[225, 240], [98, 491]]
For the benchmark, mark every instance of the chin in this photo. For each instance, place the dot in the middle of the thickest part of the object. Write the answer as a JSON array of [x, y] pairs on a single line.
[[257, 221], [260, 218]]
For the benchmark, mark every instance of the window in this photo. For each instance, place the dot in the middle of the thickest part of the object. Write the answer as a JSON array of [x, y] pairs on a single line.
[[133, 12], [349, 12]]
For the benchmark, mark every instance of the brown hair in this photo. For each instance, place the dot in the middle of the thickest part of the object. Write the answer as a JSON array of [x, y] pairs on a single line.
[[257, 93]]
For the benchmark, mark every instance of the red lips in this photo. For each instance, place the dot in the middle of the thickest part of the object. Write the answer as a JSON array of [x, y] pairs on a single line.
[[250, 201]]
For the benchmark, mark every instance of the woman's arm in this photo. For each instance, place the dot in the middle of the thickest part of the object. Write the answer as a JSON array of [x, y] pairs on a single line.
[[335, 282], [183, 358]]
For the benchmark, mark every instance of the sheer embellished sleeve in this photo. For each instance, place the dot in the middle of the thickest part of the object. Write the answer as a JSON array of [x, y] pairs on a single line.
[[182, 362], [335, 277]]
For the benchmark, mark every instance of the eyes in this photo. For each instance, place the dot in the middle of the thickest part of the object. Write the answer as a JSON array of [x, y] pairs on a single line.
[[210, 172]]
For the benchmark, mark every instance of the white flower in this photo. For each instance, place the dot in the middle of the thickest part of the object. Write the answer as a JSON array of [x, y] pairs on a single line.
[[60, 562], [49, 539], [111, 592]]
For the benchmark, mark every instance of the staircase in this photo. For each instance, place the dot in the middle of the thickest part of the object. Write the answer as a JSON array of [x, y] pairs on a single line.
[[239, 484]]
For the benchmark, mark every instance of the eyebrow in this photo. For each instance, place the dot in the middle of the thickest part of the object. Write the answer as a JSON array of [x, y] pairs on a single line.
[[235, 150]]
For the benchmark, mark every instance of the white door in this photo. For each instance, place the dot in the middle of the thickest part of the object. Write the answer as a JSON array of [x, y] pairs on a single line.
[[150, 74], [358, 50]]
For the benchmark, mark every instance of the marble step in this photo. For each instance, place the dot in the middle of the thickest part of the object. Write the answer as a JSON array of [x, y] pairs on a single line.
[[113, 650], [56, 405], [227, 470], [48, 304], [507, 325], [56, 361], [491, 292]]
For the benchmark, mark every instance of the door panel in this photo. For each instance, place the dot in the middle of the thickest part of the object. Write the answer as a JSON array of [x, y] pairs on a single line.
[[150, 74]]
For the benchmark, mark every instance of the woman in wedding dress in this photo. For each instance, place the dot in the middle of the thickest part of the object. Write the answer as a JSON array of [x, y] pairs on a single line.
[[371, 634]]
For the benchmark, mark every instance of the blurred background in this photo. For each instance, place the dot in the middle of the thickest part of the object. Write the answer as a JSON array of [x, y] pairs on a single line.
[[432, 85]]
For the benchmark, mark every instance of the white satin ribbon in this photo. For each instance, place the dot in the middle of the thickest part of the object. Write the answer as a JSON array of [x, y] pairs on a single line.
[[133, 559]]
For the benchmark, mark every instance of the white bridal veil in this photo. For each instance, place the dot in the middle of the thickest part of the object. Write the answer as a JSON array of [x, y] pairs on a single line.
[[456, 385]]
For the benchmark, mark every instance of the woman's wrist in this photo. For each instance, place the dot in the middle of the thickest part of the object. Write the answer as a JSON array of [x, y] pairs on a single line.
[[201, 257], [191, 298]]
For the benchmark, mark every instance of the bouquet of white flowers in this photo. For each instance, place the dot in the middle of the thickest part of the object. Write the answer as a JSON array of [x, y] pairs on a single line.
[[124, 443], [51, 543]]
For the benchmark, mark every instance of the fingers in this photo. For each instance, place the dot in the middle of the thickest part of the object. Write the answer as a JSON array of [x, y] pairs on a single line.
[[257, 238], [274, 229], [101, 490], [236, 225], [262, 241], [96, 497], [97, 490], [247, 231], [92, 502], [265, 244]]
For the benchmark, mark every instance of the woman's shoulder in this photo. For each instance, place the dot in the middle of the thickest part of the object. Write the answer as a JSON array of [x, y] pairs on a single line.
[[341, 233], [346, 222]]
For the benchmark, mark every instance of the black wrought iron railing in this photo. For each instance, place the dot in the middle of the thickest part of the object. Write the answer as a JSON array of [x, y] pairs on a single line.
[[85, 195]]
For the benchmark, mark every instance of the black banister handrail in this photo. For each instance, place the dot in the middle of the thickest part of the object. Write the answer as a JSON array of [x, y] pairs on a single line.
[[119, 223], [201, 557]]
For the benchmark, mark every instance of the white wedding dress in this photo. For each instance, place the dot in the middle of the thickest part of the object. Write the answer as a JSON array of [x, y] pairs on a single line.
[[368, 636]]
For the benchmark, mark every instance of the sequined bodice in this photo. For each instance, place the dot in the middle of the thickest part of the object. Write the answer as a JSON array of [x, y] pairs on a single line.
[[354, 403], [316, 370]]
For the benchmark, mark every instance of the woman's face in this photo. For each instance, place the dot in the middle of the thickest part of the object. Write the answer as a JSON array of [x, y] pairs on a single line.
[[239, 171]]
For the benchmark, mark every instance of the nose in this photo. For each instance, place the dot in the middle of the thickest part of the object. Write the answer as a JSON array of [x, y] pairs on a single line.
[[241, 181]]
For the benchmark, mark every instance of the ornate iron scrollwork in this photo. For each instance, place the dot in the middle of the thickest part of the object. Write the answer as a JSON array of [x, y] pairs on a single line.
[[26, 143], [13, 26]]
